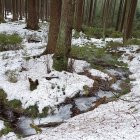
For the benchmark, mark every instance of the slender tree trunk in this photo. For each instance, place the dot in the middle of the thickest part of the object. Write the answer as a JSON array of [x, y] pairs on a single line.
[[105, 17], [5, 9], [26, 10], [113, 12], [1, 13], [119, 15], [42, 10], [79, 15], [94, 11], [14, 7], [90, 13], [46, 10], [20, 9], [123, 17], [37, 9]]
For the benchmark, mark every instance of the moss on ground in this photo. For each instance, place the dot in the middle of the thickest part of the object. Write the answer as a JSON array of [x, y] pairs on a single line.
[[99, 58], [6, 130], [133, 41], [16, 105], [9, 42], [98, 32]]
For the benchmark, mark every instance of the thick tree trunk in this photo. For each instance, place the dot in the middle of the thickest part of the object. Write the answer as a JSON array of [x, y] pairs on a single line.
[[129, 19], [32, 21], [64, 38], [54, 26]]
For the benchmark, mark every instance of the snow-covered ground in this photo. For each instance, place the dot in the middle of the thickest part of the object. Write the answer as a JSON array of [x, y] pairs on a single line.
[[1, 125], [81, 41], [115, 120], [15, 65]]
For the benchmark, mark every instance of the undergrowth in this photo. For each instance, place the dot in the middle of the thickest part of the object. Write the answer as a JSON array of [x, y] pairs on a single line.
[[99, 58], [98, 32], [9, 42]]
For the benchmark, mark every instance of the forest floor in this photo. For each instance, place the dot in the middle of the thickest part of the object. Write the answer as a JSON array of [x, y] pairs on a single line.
[[97, 73]]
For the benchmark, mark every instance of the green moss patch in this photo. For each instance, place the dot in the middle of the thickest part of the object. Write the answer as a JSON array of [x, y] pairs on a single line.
[[98, 32], [9, 42], [7, 129], [99, 58], [32, 111]]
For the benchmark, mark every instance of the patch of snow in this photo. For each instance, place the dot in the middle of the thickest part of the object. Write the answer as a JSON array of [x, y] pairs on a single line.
[[79, 65], [85, 103], [116, 86], [24, 124], [108, 94], [115, 72], [99, 43], [100, 74], [1, 125], [9, 136]]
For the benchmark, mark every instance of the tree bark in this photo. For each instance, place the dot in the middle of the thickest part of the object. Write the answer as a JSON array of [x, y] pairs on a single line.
[[32, 21], [79, 15], [14, 7], [63, 46], [20, 9], [54, 26], [129, 19], [1, 13]]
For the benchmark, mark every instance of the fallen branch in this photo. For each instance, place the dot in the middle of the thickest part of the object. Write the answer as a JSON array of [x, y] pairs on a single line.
[[50, 78], [50, 124], [130, 101]]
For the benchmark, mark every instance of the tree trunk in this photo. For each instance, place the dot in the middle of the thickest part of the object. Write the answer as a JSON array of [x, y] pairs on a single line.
[[54, 26], [32, 21], [90, 13], [129, 19], [79, 15], [14, 7], [64, 38], [123, 16], [1, 13], [119, 15], [20, 9]]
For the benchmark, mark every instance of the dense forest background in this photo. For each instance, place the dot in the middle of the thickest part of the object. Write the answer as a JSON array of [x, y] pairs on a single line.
[[110, 14]]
